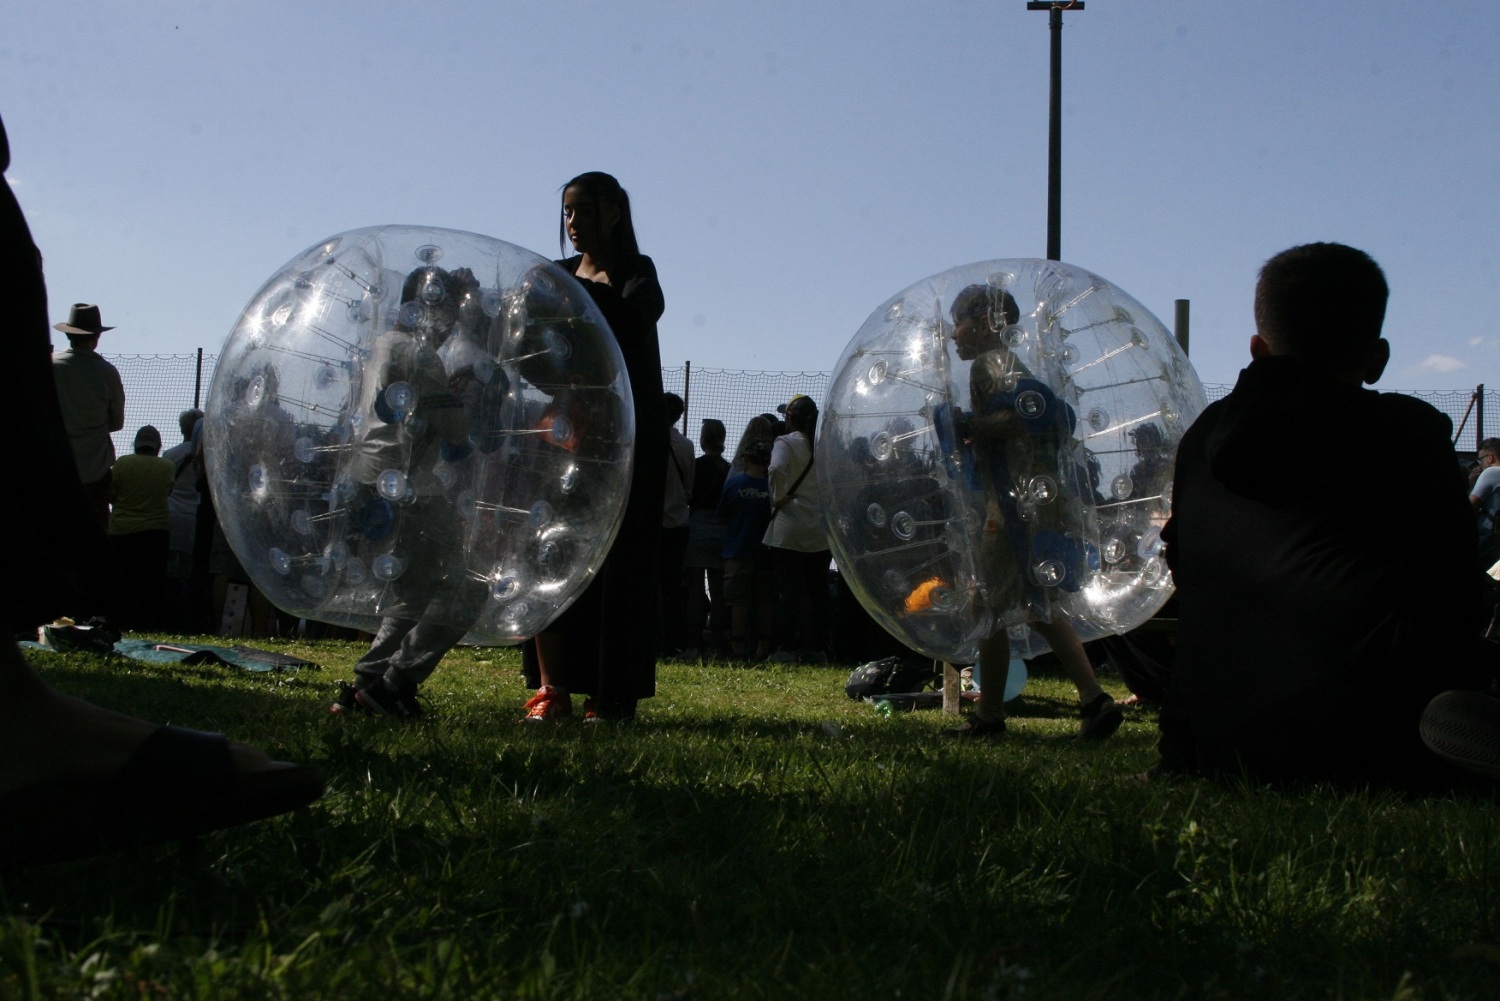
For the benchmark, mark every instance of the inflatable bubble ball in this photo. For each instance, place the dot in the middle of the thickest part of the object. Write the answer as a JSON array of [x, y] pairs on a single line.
[[424, 424], [996, 449]]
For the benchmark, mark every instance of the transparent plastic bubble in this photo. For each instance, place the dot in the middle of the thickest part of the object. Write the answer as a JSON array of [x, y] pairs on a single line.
[[391, 484], [400, 397], [1150, 543], [1043, 490], [1049, 573], [388, 428], [981, 536], [558, 345], [1155, 573], [388, 566], [944, 599], [1031, 404], [468, 504]]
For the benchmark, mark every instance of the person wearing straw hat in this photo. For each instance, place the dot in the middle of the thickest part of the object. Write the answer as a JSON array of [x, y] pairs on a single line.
[[93, 403]]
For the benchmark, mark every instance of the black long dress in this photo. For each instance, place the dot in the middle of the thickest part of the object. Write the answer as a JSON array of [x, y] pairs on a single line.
[[609, 633]]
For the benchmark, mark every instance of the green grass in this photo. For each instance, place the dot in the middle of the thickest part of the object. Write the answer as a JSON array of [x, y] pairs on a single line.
[[755, 835]]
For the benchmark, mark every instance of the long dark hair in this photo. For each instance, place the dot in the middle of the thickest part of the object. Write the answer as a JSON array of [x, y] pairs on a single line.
[[603, 188]]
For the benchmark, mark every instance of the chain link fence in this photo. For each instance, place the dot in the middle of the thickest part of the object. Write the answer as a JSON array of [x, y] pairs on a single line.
[[159, 387]]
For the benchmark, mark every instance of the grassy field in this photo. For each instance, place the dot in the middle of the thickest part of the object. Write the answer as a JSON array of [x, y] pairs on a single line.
[[754, 835]]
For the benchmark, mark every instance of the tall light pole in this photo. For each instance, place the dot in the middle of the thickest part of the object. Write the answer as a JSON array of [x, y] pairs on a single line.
[[1054, 138]]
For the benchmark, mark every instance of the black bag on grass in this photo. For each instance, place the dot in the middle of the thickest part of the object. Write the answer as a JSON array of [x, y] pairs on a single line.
[[887, 676]]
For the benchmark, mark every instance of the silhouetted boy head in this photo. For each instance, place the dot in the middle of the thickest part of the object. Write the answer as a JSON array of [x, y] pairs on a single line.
[[1323, 303]]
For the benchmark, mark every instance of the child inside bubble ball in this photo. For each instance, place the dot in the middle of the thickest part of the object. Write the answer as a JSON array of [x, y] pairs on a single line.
[[1017, 428], [417, 417]]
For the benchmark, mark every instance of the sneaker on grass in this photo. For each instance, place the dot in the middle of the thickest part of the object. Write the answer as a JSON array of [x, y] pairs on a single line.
[[1100, 718], [378, 700], [343, 702], [1464, 727]]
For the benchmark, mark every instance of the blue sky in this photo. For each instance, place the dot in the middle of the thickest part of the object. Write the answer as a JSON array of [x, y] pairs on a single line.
[[792, 164]]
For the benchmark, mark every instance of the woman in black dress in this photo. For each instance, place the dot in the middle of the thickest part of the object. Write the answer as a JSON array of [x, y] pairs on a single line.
[[604, 645]]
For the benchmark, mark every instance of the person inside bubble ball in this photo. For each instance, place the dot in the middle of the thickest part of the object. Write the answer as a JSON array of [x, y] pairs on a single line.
[[604, 645], [417, 418], [1018, 425]]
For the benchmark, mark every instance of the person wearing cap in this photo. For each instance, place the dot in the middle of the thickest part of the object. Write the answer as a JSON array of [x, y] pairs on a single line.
[[798, 545], [139, 485], [93, 402]]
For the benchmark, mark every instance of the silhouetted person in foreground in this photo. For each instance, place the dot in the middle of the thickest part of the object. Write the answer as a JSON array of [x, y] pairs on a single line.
[[1319, 618], [76, 778]]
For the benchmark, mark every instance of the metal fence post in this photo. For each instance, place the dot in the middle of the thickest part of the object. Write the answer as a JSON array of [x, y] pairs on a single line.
[[1478, 415], [198, 383]]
